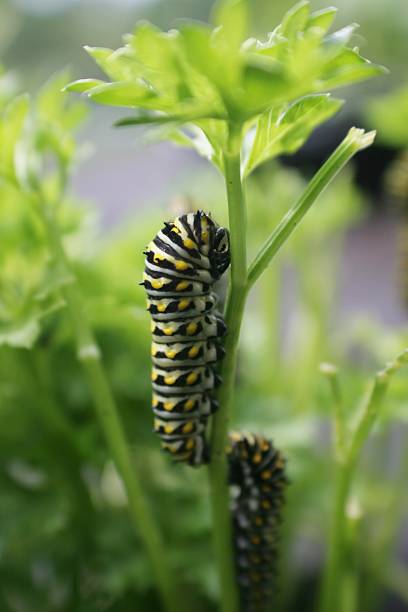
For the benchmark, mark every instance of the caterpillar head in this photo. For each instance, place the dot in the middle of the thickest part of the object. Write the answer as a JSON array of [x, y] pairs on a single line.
[[220, 256]]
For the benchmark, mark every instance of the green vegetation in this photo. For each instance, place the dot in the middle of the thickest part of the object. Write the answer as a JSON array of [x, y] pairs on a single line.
[[74, 335]]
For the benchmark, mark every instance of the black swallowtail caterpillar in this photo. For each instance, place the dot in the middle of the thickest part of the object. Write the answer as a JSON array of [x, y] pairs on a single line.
[[182, 263], [257, 473]]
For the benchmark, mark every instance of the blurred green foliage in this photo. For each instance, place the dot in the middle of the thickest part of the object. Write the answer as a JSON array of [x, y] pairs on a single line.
[[65, 538]]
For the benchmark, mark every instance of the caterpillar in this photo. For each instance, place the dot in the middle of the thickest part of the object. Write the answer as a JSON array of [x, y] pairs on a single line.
[[182, 263], [257, 474]]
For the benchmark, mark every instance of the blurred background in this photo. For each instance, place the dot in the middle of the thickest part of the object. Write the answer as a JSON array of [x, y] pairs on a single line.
[[338, 292], [119, 176]]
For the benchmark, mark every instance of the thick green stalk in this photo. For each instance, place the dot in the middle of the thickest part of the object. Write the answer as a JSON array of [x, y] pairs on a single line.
[[355, 141], [234, 312], [89, 356]]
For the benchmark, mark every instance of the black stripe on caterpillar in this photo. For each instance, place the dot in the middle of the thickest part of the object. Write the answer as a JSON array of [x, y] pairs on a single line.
[[257, 478], [182, 263]]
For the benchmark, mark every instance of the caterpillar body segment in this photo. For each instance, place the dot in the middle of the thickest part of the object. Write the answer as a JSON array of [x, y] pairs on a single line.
[[182, 263]]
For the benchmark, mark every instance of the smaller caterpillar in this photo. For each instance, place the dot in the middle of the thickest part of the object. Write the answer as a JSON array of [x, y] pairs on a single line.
[[182, 263], [257, 472]]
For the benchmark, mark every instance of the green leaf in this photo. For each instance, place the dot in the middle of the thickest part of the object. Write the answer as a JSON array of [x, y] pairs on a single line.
[[122, 93], [117, 65], [232, 18], [11, 129], [341, 37], [83, 85], [22, 335], [261, 88], [162, 118], [323, 19], [295, 20], [284, 132], [349, 67], [55, 108]]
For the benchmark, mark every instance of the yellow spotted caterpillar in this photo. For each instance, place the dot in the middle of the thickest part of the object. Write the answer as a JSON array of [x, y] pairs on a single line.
[[182, 263], [257, 473]]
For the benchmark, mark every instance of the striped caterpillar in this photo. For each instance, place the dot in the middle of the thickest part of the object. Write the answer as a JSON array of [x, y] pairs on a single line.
[[182, 263], [257, 473]]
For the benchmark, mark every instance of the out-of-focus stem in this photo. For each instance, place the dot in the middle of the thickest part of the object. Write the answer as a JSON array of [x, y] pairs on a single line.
[[345, 469], [89, 356]]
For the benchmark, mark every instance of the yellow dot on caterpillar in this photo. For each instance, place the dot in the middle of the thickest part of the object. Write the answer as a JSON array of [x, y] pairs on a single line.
[[266, 474], [255, 539], [265, 504], [168, 429], [192, 378], [153, 350], [154, 376], [183, 304], [171, 354], [258, 521], [168, 406], [189, 405], [161, 307], [152, 326], [181, 265], [204, 236], [191, 329], [182, 285], [193, 352], [168, 331], [155, 402], [280, 463], [156, 283], [188, 243], [157, 258], [175, 229], [256, 458], [169, 380], [190, 444], [188, 427]]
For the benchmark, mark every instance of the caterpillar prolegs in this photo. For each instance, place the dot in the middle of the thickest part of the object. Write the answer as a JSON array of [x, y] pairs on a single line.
[[182, 263]]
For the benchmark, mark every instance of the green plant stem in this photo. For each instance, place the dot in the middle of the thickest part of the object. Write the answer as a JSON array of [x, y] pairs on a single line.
[[330, 372], [381, 558], [345, 470], [89, 356], [233, 317], [355, 141]]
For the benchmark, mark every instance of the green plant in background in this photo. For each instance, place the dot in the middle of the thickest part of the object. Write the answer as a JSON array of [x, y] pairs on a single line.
[[239, 105]]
